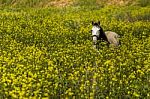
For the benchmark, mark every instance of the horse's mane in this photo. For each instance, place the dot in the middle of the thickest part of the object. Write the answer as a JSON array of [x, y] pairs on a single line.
[[102, 35]]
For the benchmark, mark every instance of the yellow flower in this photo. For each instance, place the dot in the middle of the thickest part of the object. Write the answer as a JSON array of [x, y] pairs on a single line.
[[136, 94]]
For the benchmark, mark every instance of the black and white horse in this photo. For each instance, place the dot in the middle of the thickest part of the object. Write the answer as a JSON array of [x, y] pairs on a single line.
[[111, 38]]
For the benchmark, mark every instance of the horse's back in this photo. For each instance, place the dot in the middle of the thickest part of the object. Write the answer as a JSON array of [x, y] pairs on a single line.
[[112, 37]]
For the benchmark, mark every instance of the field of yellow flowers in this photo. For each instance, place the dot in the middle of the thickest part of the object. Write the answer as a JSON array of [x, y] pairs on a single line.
[[48, 54]]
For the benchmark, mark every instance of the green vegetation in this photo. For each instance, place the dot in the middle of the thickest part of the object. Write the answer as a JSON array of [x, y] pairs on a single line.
[[48, 53], [60, 3]]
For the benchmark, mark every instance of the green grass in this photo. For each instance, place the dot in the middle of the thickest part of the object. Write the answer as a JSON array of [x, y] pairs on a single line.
[[48, 53], [143, 3]]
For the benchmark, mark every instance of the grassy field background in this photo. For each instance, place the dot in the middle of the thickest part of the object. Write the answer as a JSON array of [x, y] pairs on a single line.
[[64, 3], [46, 49]]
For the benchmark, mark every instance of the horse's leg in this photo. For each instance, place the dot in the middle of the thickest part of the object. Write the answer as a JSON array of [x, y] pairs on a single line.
[[97, 46], [94, 46], [119, 42]]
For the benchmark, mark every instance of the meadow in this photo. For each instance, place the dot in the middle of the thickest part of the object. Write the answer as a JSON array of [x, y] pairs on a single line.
[[47, 53]]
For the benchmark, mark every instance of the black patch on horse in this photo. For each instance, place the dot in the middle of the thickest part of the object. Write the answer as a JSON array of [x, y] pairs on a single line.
[[103, 36]]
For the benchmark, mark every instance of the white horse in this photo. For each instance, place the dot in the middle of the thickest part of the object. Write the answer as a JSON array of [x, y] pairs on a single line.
[[98, 34]]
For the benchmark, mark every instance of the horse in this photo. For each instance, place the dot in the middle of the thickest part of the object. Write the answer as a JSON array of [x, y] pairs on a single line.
[[111, 38]]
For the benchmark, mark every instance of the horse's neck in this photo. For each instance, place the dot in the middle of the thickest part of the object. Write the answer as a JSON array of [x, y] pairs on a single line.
[[103, 35]]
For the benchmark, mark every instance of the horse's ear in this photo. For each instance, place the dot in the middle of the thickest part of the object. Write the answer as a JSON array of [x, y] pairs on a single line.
[[98, 22], [92, 23]]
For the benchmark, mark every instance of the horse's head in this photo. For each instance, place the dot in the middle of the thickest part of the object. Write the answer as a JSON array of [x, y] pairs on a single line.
[[95, 32]]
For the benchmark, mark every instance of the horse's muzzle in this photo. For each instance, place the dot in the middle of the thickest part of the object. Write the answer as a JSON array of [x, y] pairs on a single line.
[[95, 39]]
